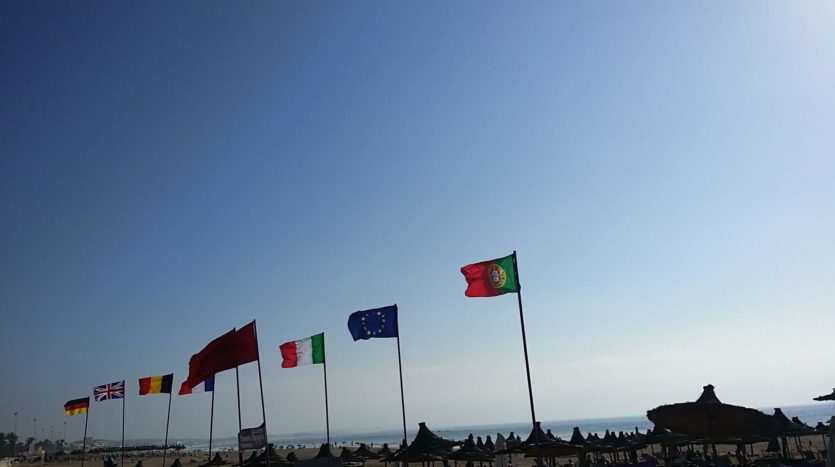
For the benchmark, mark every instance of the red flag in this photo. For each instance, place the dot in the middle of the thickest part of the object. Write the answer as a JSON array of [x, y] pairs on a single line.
[[227, 351]]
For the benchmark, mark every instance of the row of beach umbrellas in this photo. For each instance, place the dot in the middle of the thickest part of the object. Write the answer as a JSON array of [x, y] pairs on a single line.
[[707, 420]]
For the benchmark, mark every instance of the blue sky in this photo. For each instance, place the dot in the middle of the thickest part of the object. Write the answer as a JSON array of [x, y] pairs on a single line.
[[169, 171]]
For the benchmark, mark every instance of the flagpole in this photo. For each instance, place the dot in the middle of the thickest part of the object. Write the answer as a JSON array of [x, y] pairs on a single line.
[[261, 387], [240, 425], [167, 420], [123, 425], [325, 372], [527, 364], [84, 440], [211, 422], [402, 397]]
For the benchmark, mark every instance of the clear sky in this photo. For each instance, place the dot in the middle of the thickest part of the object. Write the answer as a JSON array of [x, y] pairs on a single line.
[[172, 170]]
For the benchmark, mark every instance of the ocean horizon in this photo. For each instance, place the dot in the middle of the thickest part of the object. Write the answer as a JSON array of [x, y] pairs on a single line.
[[810, 414]]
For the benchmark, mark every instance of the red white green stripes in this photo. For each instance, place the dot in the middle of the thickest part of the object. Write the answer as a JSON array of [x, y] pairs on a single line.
[[303, 352]]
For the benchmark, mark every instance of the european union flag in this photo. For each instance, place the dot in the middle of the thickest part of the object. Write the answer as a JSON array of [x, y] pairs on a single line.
[[379, 322]]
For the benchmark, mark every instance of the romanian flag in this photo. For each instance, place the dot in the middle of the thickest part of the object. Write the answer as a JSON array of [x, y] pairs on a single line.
[[156, 384], [77, 406]]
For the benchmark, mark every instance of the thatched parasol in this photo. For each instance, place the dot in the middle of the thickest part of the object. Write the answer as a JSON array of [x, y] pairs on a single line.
[[708, 417], [177, 463], [253, 456], [217, 460], [324, 452], [782, 426], [489, 446], [384, 451], [577, 438], [469, 452], [828, 397], [538, 443], [364, 453], [427, 446], [349, 456], [261, 458]]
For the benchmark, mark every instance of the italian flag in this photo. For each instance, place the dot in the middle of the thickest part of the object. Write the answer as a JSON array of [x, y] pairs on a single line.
[[303, 352]]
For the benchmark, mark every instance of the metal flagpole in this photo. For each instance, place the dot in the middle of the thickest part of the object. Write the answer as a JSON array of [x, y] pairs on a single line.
[[527, 364], [123, 426], [240, 425], [261, 386], [402, 397], [167, 420], [325, 372], [84, 440], [211, 422]]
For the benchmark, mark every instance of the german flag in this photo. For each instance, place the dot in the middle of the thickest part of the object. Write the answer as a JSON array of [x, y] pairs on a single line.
[[77, 406], [156, 384]]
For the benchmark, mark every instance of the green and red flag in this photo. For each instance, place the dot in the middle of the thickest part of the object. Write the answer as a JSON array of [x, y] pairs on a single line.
[[491, 278], [306, 351]]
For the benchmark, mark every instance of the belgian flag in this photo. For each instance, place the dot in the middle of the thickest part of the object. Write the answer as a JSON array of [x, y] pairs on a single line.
[[156, 384], [77, 406]]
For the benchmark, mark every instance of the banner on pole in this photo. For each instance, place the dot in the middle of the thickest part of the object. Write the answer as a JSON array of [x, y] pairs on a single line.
[[252, 438]]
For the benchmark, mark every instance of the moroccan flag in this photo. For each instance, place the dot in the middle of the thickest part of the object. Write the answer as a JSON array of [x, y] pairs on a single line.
[[156, 384], [303, 352], [227, 351], [77, 406], [491, 278]]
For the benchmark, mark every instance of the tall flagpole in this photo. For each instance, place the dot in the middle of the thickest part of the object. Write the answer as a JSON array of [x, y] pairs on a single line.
[[84, 440], [211, 422], [240, 425], [527, 364], [263, 409], [123, 425], [402, 397], [167, 420], [325, 372]]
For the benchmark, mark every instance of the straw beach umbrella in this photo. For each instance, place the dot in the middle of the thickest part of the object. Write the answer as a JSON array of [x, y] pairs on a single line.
[[365, 453], [709, 418], [828, 397], [470, 452], [426, 447]]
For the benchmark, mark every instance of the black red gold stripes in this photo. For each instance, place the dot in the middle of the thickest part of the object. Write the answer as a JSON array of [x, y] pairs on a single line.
[[77, 406]]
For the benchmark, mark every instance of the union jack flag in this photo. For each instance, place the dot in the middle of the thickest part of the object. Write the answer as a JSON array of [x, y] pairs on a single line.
[[109, 391]]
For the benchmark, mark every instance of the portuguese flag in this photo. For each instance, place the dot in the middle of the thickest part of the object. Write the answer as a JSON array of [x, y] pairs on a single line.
[[156, 384], [491, 278], [303, 352], [77, 406]]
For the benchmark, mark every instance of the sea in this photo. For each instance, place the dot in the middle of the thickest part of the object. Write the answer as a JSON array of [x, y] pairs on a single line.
[[809, 414]]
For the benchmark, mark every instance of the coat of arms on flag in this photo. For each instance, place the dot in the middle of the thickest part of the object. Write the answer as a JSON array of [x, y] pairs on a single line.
[[109, 391]]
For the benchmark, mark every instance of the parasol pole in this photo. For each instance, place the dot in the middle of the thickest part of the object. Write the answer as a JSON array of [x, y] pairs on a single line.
[[167, 420], [527, 364]]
